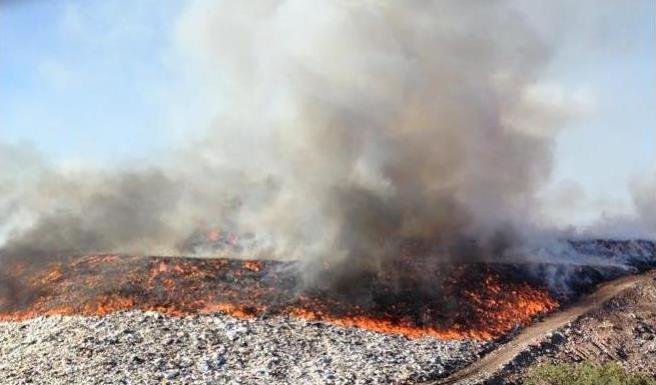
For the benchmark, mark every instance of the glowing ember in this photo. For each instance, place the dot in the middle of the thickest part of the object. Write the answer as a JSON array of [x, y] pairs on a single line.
[[213, 235], [473, 301]]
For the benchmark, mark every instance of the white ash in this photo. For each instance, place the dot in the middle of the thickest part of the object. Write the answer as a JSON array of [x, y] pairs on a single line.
[[148, 348]]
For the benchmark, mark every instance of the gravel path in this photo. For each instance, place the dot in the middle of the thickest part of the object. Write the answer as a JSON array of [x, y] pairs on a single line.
[[623, 331], [147, 348], [534, 334]]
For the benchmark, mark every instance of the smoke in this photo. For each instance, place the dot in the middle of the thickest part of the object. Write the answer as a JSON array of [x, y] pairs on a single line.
[[644, 200], [380, 122], [347, 130], [638, 221]]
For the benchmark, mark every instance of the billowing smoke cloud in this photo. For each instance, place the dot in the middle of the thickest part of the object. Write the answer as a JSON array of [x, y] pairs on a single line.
[[379, 122], [348, 129]]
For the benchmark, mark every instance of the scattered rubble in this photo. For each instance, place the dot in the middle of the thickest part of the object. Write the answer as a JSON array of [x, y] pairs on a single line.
[[137, 347]]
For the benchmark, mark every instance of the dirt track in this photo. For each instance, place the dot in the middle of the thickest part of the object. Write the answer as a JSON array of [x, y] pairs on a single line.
[[491, 363]]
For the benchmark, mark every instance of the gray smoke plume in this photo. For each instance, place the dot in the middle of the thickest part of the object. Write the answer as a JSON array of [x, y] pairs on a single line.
[[644, 200], [377, 123], [348, 130], [640, 222]]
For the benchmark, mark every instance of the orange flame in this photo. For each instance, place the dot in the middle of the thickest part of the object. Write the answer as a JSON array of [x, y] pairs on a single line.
[[213, 235], [485, 306]]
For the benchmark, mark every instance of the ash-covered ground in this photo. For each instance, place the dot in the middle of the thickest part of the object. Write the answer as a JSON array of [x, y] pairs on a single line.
[[148, 348]]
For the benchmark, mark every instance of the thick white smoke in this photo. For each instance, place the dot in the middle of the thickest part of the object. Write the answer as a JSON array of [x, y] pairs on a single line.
[[347, 129], [377, 122]]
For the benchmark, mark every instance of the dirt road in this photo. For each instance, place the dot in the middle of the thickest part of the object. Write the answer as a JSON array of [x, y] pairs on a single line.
[[495, 360]]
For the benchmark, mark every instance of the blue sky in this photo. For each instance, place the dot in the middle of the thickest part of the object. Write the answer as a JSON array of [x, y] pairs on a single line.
[[98, 81], [82, 79], [616, 143]]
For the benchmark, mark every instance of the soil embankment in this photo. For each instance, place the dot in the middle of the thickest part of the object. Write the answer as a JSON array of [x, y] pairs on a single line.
[[493, 364]]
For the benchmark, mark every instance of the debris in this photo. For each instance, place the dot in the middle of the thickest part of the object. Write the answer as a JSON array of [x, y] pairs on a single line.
[[135, 347]]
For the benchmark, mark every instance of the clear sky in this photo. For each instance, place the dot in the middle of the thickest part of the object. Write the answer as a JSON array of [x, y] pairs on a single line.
[[82, 79], [99, 81]]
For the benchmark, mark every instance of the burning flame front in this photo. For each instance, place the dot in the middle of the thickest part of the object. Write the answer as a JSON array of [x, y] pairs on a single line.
[[473, 301]]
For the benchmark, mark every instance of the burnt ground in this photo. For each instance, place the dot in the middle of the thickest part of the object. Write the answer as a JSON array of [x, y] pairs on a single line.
[[475, 300], [614, 321]]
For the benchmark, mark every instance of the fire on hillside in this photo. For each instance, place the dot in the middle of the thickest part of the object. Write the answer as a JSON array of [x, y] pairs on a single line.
[[480, 301]]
